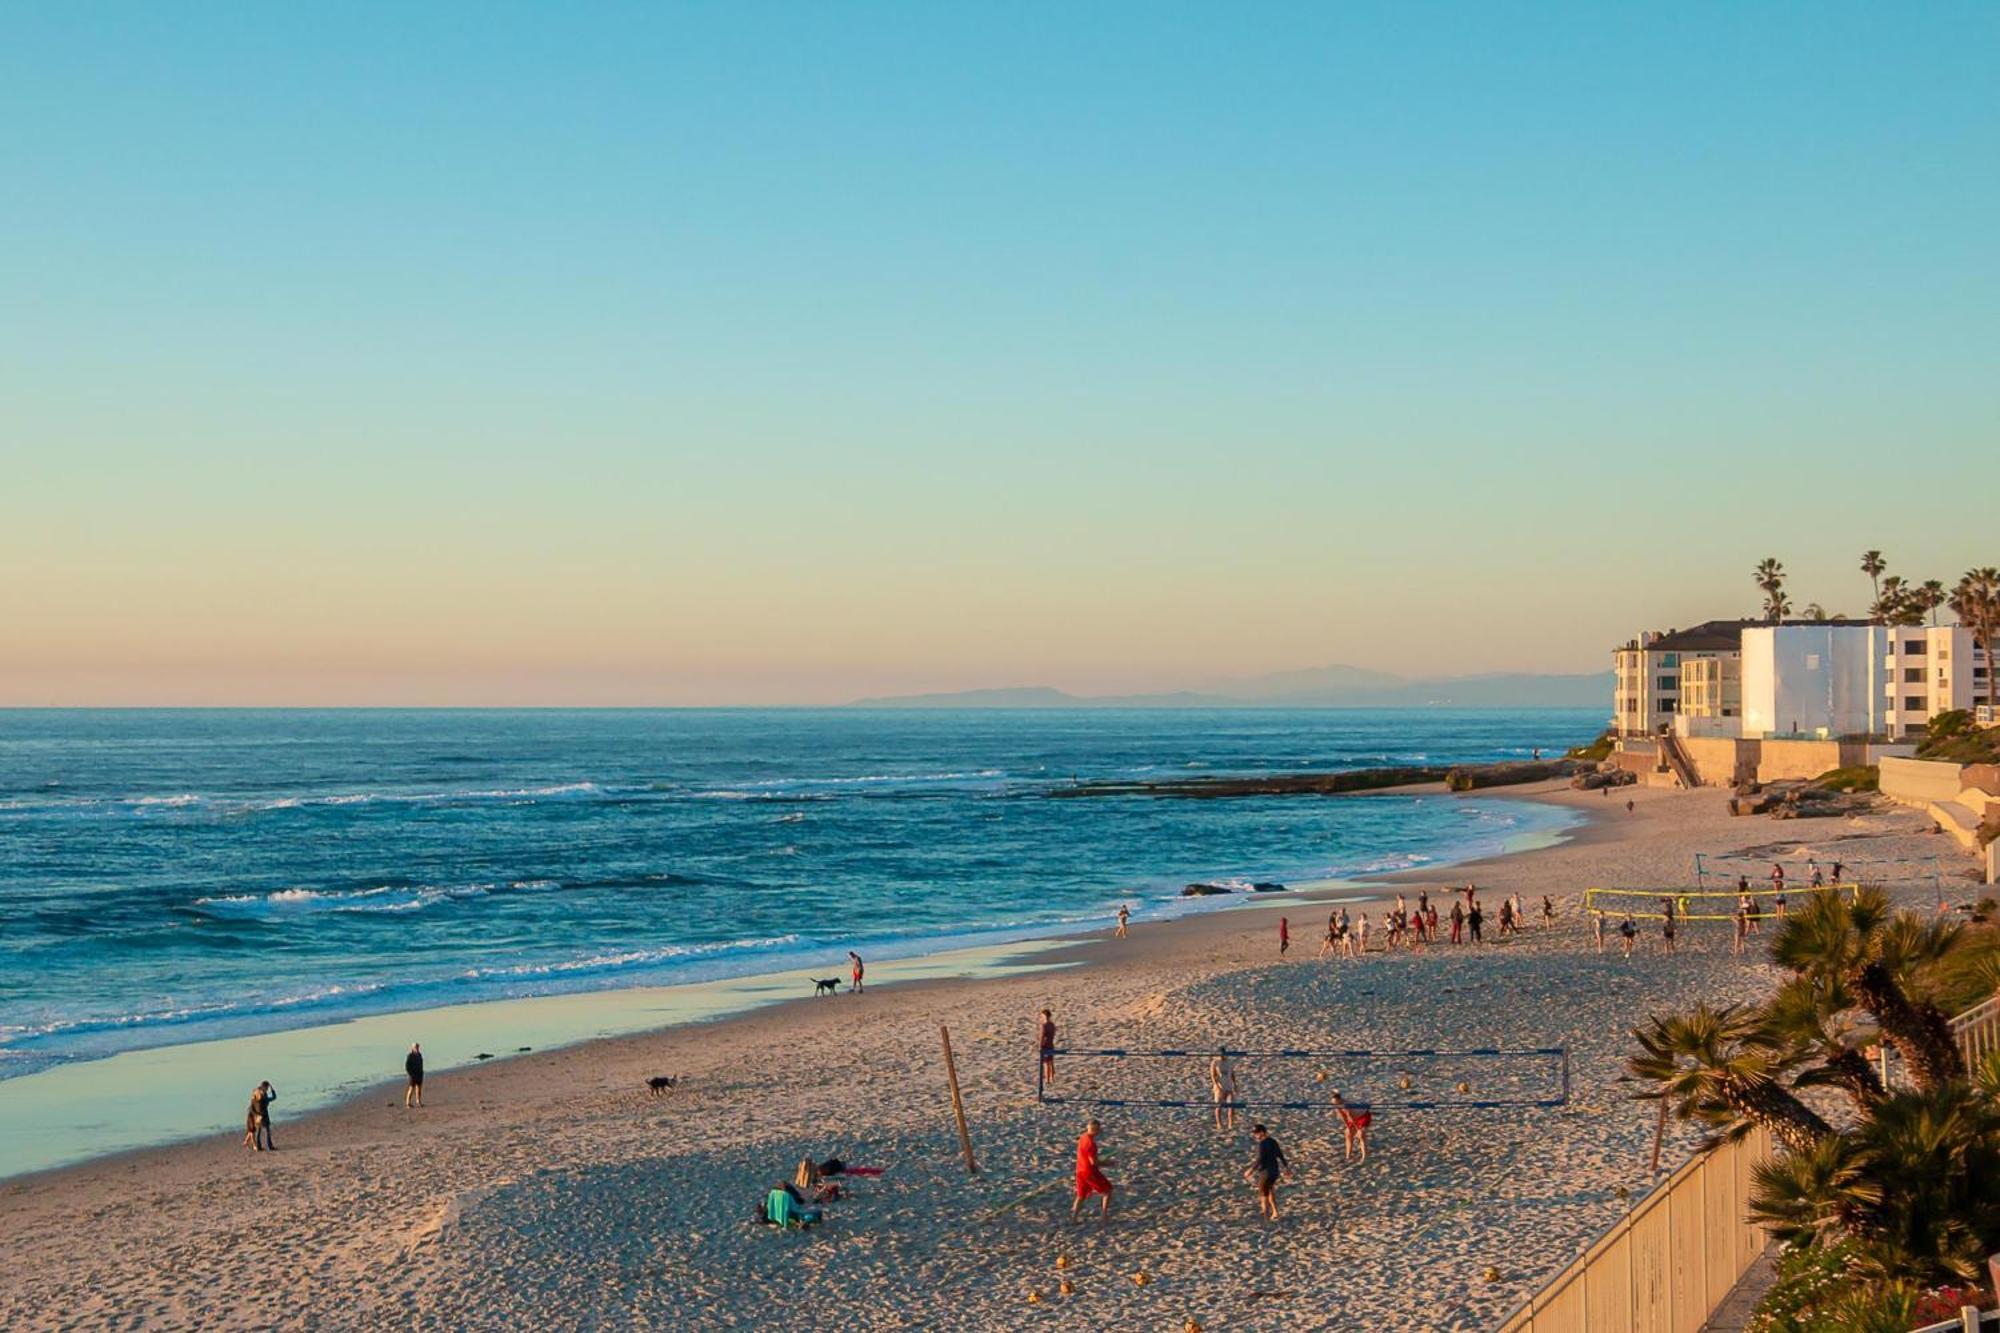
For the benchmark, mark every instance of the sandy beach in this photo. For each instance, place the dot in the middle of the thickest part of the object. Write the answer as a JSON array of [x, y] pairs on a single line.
[[550, 1190]]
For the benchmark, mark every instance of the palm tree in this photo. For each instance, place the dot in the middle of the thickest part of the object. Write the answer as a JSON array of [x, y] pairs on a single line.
[[1897, 603], [1911, 1185], [1719, 1067], [1813, 1020], [1933, 595], [1976, 603], [1889, 963], [1872, 564], [1815, 612], [1903, 1193], [1770, 577]]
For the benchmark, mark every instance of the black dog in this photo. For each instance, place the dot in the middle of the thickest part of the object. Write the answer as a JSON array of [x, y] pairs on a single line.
[[662, 1084], [826, 986]]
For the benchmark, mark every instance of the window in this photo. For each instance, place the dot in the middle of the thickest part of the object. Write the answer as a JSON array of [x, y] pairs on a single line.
[[1913, 675], [1914, 648], [1914, 705], [1812, 661]]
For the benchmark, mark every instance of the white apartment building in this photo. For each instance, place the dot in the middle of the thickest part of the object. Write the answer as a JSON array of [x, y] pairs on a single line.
[[1842, 679]]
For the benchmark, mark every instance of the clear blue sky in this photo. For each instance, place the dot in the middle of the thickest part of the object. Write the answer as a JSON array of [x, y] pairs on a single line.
[[672, 353]]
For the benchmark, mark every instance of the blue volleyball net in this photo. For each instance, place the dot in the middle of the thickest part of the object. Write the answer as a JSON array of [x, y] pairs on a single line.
[[1476, 1078]]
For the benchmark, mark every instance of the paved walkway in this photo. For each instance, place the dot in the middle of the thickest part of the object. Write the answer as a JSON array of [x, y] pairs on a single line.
[[1736, 1307]]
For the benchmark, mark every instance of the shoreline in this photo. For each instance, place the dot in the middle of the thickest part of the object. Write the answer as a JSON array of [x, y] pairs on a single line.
[[552, 1190], [322, 1067]]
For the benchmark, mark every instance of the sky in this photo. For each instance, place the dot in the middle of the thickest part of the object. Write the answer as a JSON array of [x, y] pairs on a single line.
[[742, 353]]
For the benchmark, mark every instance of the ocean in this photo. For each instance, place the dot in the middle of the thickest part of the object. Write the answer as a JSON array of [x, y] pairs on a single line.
[[177, 876]]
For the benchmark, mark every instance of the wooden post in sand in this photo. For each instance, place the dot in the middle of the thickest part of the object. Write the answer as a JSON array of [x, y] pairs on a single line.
[[957, 1102]]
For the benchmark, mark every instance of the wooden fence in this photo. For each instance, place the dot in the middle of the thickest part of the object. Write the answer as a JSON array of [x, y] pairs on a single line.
[[1668, 1263]]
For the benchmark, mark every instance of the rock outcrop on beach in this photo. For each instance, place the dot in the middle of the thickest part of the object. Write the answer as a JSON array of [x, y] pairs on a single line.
[[1459, 777]]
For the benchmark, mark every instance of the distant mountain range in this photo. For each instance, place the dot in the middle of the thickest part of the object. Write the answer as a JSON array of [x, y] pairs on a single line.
[[1318, 687]]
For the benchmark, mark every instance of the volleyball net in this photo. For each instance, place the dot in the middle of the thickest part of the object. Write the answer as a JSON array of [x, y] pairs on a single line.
[[1696, 904], [1720, 870], [1479, 1078]]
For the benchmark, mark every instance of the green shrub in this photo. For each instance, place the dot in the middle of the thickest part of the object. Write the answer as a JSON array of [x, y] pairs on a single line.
[[1596, 752], [1952, 738], [1854, 777]]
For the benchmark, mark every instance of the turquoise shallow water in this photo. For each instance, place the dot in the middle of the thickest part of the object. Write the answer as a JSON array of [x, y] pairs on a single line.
[[174, 876]]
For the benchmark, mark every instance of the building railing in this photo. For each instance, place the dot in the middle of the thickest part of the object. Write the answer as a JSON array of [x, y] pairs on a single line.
[[1978, 1031], [1669, 1262]]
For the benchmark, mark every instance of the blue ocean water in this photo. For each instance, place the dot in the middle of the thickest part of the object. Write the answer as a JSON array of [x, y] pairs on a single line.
[[177, 875]]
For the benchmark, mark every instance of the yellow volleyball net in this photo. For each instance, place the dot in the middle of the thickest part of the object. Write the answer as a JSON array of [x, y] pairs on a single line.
[[1701, 904]]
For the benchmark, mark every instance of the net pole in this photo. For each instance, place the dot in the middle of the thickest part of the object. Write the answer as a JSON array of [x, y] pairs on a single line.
[[957, 1102]]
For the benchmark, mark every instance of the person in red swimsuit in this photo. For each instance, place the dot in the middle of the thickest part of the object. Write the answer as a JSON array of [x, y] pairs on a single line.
[[1355, 1123], [1090, 1177]]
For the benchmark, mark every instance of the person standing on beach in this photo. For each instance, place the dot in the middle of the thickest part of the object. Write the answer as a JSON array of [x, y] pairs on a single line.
[[413, 1067], [1628, 932], [1364, 933], [253, 1121], [1667, 924], [855, 971], [1474, 919], [1124, 915], [1284, 935], [1742, 928], [1222, 1086], [1332, 936], [1266, 1169], [1045, 1047], [1597, 927], [1090, 1177], [1548, 911], [260, 1117], [1457, 924], [1354, 1125]]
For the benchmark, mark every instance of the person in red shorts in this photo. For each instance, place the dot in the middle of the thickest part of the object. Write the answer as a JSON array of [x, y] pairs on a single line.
[[1090, 1178]]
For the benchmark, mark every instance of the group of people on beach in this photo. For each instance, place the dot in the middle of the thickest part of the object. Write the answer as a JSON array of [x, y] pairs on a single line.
[[1746, 919], [1419, 927], [1268, 1164]]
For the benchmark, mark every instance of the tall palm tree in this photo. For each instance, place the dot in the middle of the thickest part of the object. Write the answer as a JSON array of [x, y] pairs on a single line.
[[1933, 594], [1872, 564], [1976, 603], [1770, 577]]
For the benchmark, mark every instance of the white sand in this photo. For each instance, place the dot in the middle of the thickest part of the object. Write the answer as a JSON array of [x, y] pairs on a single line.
[[550, 1191]]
